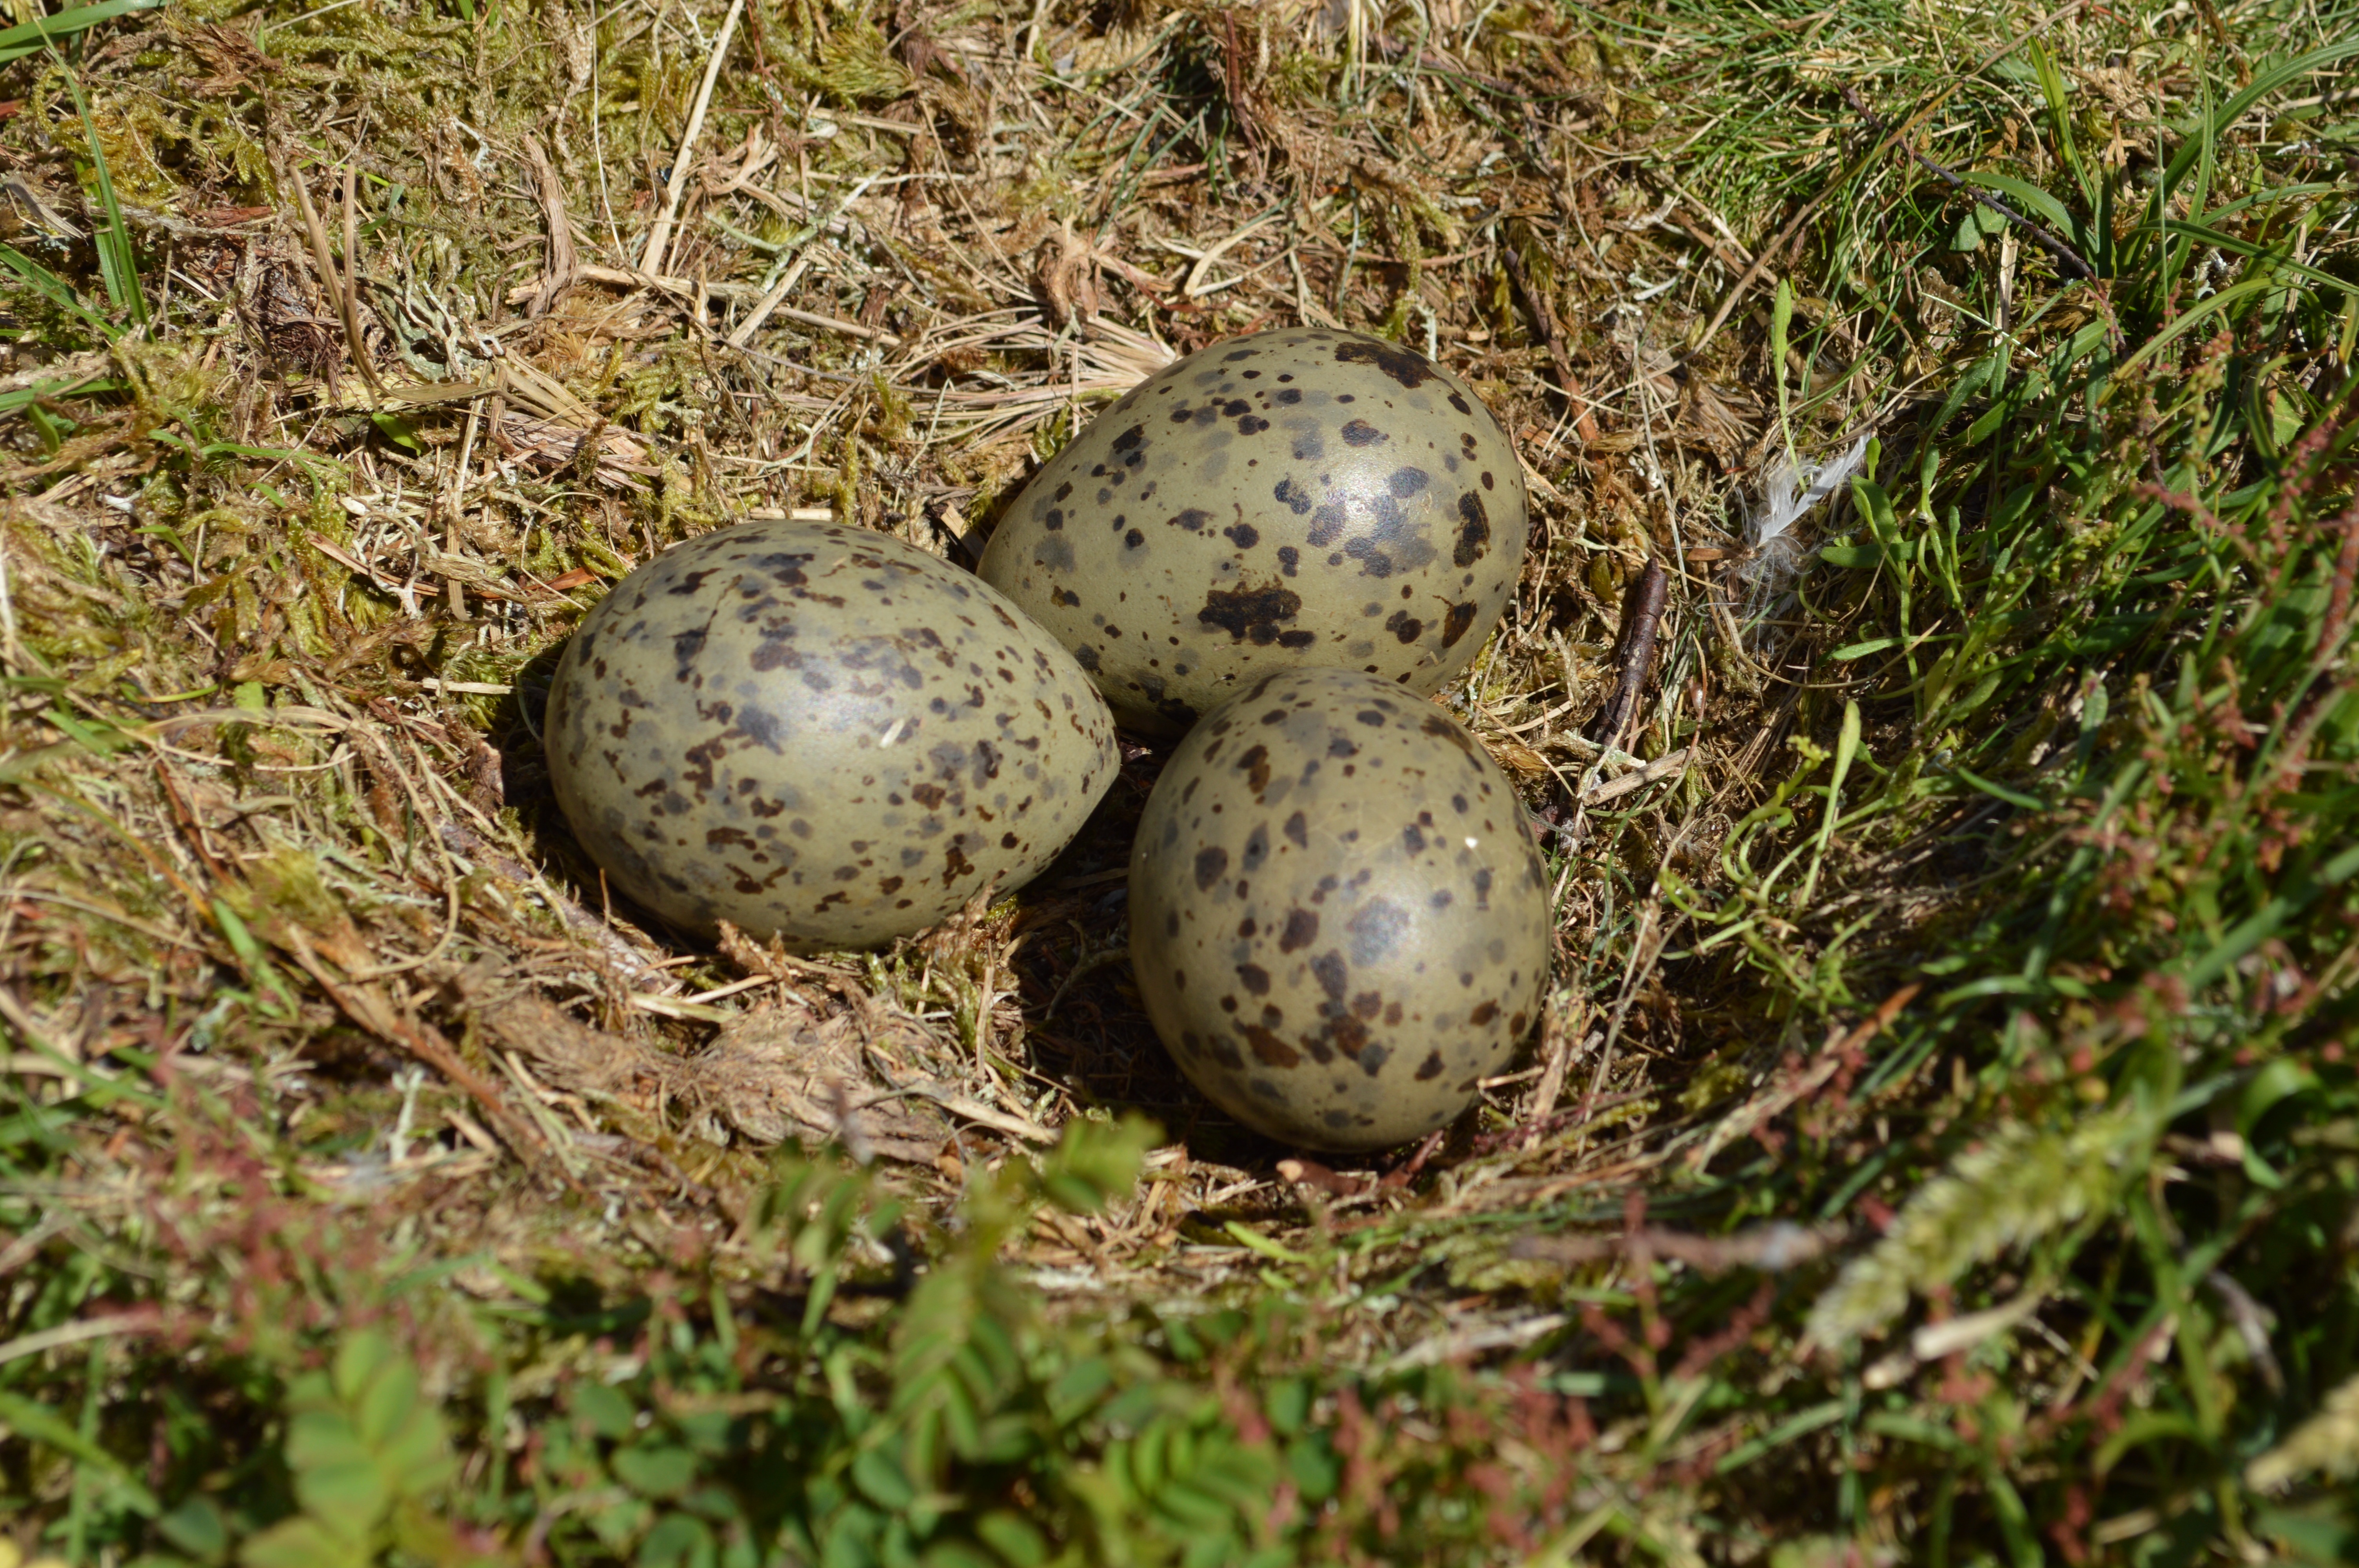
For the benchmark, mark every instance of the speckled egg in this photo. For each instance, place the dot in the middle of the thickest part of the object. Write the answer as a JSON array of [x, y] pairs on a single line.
[[1307, 497], [819, 733], [1338, 921]]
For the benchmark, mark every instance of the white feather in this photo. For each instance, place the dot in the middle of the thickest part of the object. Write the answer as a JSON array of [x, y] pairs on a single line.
[[1791, 493]]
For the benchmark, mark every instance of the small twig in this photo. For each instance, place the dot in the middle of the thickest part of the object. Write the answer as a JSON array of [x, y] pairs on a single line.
[[660, 233], [562, 261], [1312, 1173], [1094, 961], [458, 592], [685, 288], [848, 1130], [2048, 242], [1558, 1056], [982, 1115], [1642, 617], [351, 232], [343, 299], [1772, 1248], [1744, 1121], [1584, 423], [2253, 1323], [1662, 767], [744, 332], [1402, 1175], [76, 1332], [369, 1007]]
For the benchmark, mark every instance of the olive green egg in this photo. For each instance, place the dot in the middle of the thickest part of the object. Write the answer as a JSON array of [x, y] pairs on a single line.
[[1338, 920], [1292, 499], [819, 733]]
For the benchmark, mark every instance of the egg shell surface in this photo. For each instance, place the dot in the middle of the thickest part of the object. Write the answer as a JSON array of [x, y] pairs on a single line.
[[1297, 498], [819, 733], [1338, 921]]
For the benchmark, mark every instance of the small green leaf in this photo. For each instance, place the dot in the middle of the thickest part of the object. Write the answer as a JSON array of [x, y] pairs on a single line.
[[1096, 1162], [1969, 236], [302, 1542], [2277, 1081], [2000, 792], [1002, 1439], [1078, 1387], [1275, 1251], [1288, 1405], [655, 1470], [319, 1438], [707, 1432], [1192, 1508], [351, 1497], [397, 430], [52, 430], [385, 1402], [416, 1454], [359, 1359], [197, 1528], [1018, 1540], [104, 739], [118, 265], [677, 1539], [850, 1540], [1222, 1324], [1312, 1462], [1147, 1455], [603, 1410], [2026, 197], [956, 1554], [881, 1480]]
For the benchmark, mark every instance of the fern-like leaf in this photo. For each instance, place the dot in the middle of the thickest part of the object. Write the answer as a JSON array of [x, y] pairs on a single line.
[[2023, 1183]]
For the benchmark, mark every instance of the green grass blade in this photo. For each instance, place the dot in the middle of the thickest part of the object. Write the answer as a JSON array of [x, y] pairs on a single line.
[[2059, 114], [31, 38], [2177, 228], [2036, 202], [2235, 294], [11, 400], [1846, 749], [40, 1423], [117, 267], [53, 288]]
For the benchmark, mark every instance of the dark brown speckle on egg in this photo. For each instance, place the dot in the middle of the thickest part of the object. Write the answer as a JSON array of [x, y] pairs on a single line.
[[1390, 937], [1336, 465]]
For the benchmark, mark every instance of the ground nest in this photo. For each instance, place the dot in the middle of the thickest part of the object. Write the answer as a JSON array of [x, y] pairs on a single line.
[[1930, 665]]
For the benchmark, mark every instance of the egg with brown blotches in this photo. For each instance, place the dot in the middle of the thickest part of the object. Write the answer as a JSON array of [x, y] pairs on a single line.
[[1339, 922], [1310, 497], [819, 733]]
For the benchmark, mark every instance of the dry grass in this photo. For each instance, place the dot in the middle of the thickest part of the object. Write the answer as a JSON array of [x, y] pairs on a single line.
[[887, 314]]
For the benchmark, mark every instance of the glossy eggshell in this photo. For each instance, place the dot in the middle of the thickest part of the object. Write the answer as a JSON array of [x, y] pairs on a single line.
[[1307, 497], [1338, 922], [819, 733]]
